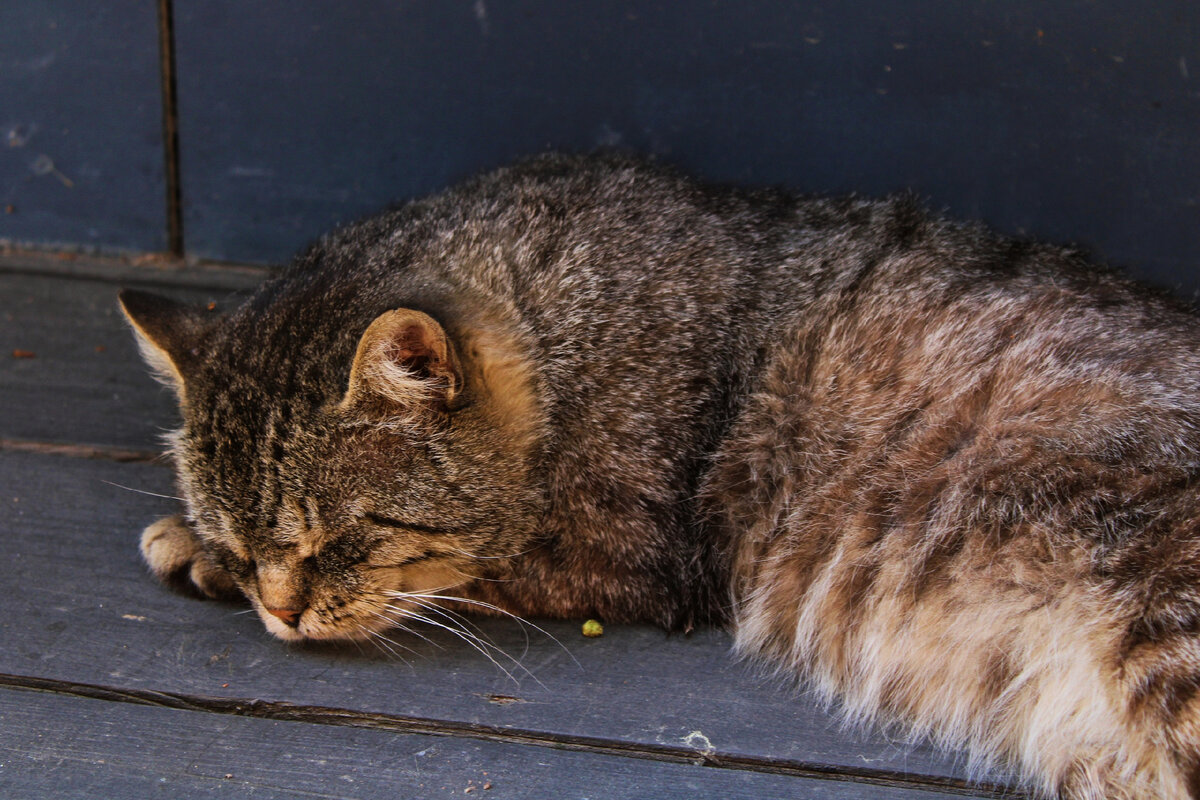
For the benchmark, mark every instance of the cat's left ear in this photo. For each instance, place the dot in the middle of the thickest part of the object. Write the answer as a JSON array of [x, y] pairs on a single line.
[[168, 334], [406, 363]]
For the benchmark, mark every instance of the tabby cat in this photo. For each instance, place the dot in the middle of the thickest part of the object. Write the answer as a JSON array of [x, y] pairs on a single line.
[[948, 476]]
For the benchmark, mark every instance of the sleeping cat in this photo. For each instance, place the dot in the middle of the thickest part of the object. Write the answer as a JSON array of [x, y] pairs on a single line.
[[947, 476]]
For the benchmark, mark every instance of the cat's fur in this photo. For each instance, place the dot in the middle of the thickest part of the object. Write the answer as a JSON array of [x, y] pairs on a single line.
[[948, 476]]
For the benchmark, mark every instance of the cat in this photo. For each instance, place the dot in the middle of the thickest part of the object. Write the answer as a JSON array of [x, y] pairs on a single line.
[[947, 476]]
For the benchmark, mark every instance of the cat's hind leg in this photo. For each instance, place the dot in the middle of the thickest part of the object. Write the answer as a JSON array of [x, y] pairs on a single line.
[[177, 557]]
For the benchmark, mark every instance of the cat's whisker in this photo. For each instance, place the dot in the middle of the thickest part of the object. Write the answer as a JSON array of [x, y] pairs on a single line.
[[484, 646], [449, 614], [368, 635], [385, 649], [143, 491], [468, 601], [358, 642], [393, 620], [496, 609], [383, 644], [389, 643], [477, 644], [464, 621]]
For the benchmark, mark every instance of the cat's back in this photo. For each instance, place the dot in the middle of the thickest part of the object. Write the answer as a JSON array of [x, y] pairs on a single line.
[[641, 296]]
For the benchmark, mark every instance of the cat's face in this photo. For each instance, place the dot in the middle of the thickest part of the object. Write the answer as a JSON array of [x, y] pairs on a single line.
[[328, 529], [338, 510]]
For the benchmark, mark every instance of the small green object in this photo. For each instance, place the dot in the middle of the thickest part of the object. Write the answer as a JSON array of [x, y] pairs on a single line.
[[593, 628]]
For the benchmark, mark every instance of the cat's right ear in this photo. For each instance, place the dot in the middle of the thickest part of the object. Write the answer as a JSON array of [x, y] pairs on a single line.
[[405, 366], [168, 335]]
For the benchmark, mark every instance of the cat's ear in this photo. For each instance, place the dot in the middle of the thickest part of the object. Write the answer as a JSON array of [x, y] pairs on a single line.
[[405, 362], [168, 334]]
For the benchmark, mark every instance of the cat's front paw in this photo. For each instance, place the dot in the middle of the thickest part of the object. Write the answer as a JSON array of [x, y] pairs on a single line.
[[179, 559]]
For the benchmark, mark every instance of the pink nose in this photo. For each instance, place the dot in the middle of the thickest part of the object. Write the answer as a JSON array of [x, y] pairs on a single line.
[[290, 617]]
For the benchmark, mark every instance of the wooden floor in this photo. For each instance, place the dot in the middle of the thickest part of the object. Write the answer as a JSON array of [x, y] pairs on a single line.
[[112, 687]]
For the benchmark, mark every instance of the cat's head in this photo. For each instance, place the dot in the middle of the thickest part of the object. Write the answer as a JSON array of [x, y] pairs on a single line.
[[339, 469]]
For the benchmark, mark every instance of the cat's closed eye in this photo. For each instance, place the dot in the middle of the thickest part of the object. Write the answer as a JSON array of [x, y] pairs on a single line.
[[385, 521]]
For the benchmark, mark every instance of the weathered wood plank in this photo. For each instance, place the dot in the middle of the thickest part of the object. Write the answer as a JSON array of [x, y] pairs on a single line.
[[72, 747], [81, 158], [149, 270], [69, 369], [77, 606], [1067, 121]]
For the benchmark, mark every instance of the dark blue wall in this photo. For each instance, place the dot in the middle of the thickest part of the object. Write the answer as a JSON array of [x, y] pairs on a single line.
[[81, 159], [1072, 121]]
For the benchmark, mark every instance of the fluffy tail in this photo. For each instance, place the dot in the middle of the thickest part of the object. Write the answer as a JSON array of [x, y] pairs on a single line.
[[1027, 680]]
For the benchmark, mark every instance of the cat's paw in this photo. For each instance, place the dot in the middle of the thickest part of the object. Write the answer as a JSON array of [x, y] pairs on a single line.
[[178, 558]]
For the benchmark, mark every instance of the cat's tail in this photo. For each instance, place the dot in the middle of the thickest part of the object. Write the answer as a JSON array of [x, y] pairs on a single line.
[[1039, 611], [1025, 602], [1017, 677]]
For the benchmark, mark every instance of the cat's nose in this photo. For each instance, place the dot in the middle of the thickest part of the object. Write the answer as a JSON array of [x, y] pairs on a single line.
[[290, 617]]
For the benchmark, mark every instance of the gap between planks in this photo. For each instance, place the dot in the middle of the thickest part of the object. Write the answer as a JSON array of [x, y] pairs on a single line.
[[120, 455], [288, 712]]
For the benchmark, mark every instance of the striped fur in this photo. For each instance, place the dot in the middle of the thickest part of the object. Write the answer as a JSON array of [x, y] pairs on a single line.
[[946, 477]]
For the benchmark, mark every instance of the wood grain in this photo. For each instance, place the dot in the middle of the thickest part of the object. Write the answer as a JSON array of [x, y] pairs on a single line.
[[79, 379], [70, 747]]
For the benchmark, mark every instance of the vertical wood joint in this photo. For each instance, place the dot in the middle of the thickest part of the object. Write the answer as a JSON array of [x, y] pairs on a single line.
[[170, 108]]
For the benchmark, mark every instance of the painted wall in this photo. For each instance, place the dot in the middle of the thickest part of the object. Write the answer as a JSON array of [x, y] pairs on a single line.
[[1073, 121], [81, 160]]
